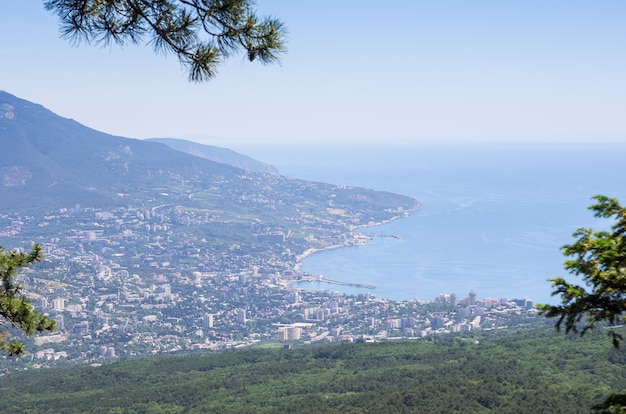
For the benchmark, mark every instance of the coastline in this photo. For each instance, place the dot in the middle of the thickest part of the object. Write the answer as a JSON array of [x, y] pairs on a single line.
[[357, 239]]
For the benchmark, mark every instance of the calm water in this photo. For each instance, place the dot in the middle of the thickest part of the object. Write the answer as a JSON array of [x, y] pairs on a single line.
[[493, 220]]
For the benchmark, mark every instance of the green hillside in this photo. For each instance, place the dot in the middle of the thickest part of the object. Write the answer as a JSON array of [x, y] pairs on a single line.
[[514, 371]]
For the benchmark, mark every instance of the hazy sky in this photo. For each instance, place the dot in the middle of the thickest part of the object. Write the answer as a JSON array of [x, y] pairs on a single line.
[[366, 71]]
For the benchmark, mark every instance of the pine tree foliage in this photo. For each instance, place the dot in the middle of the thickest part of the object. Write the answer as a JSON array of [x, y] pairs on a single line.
[[599, 259], [201, 33], [15, 309]]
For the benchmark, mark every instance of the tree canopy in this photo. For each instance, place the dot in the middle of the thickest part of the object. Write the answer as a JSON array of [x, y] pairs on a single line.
[[201, 33], [515, 370], [15, 309], [599, 259]]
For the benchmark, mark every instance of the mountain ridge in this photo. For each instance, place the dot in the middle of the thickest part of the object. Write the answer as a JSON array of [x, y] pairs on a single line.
[[54, 162], [61, 159], [218, 154]]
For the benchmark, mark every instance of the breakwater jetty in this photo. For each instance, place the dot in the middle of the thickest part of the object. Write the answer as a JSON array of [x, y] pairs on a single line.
[[338, 282], [320, 278]]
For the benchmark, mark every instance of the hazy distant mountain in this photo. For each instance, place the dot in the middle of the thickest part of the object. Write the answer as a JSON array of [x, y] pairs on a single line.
[[218, 154], [50, 159]]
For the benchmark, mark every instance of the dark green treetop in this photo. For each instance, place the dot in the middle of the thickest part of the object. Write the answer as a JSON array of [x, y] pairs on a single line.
[[599, 259], [15, 309], [201, 33]]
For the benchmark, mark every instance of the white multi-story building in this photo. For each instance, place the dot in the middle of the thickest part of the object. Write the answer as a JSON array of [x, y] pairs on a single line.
[[288, 333], [58, 304], [207, 320]]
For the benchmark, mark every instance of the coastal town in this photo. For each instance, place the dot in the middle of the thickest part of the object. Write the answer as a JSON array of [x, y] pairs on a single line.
[[123, 283]]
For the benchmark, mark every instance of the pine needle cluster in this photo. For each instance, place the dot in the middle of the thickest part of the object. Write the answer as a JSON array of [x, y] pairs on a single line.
[[201, 33]]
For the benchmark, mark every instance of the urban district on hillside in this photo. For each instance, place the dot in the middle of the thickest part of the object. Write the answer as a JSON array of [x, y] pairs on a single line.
[[126, 282], [152, 250]]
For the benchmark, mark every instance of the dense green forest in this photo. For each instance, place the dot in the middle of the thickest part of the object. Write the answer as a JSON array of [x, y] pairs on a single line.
[[521, 370]]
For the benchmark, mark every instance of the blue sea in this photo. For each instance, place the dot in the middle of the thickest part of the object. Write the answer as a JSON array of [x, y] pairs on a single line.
[[494, 217]]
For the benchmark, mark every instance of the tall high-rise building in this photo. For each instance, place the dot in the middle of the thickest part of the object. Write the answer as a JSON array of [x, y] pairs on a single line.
[[58, 304], [241, 316], [453, 299], [207, 320], [42, 304], [60, 321], [293, 333], [288, 333], [472, 297]]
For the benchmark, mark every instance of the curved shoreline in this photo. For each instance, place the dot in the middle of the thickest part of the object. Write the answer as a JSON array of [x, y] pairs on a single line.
[[309, 252], [356, 240]]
